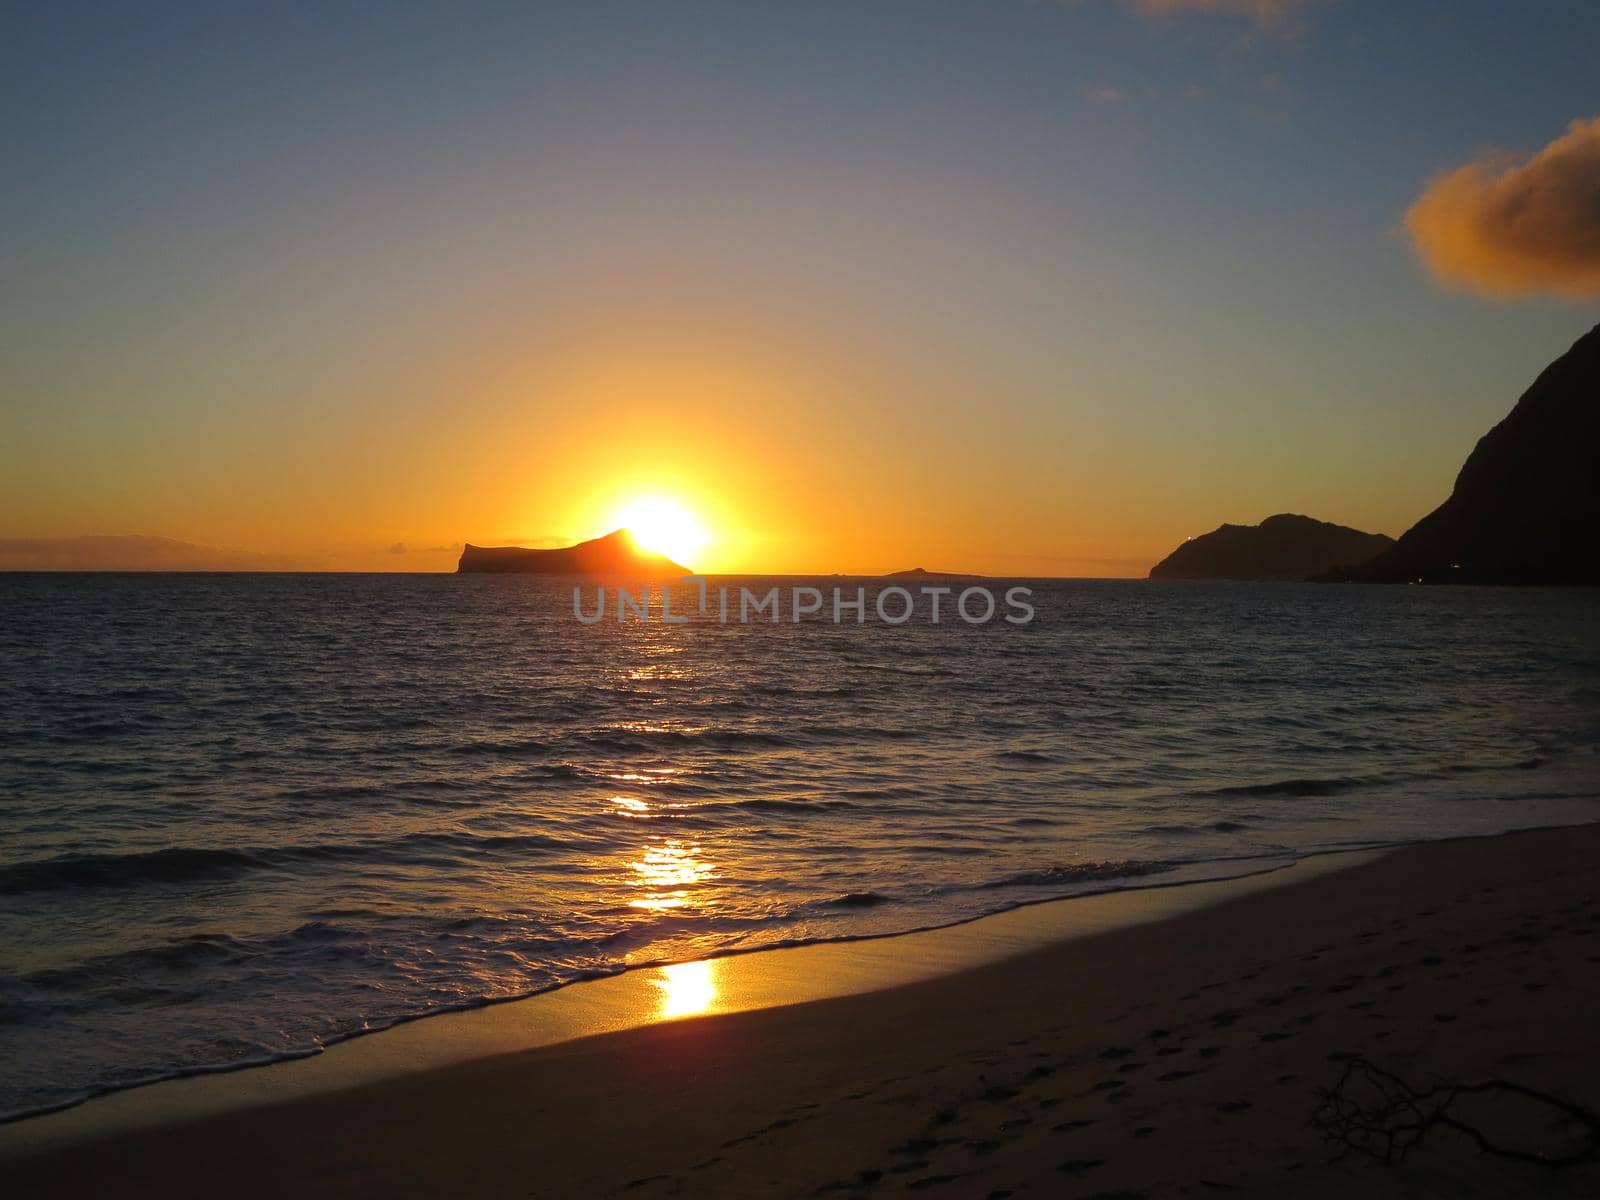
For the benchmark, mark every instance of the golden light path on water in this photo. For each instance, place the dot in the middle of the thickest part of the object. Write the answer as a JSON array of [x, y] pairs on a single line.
[[666, 872]]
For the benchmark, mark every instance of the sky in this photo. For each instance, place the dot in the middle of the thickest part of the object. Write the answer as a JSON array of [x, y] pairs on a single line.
[[1029, 287]]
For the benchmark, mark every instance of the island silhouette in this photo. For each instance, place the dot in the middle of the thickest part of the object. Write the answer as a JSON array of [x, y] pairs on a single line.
[[924, 573], [618, 553]]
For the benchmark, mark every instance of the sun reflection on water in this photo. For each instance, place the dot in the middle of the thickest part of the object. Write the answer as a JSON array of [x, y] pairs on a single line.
[[687, 989], [666, 872]]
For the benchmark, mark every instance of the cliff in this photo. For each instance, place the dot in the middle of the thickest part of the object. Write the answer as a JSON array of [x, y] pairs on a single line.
[[1526, 504], [614, 554], [1284, 547]]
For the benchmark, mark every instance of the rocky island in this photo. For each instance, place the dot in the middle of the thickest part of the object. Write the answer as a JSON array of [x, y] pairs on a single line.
[[615, 554], [924, 573]]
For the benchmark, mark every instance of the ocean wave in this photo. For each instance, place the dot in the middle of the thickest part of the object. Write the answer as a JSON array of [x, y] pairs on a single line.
[[515, 748], [1291, 787], [859, 900], [627, 740], [778, 805], [1075, 873], [860, 733], [188, 864], [1180, 830], [174, 864]]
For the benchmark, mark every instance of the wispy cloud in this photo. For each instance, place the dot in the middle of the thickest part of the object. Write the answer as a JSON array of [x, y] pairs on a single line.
[[133, 552], [1504, 227], [1104, 95], [1264, 12]]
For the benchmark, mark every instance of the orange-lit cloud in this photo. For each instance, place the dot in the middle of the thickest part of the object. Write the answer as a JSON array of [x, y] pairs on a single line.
[[1265, 12], [1503, 227]]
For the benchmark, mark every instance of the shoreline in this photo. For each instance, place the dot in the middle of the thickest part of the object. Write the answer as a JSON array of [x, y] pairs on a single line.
[[975, 955], [462, 1106], [828, 968]]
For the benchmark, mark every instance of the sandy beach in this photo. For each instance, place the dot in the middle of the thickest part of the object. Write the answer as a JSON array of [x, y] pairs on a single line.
[[1184, 1056]]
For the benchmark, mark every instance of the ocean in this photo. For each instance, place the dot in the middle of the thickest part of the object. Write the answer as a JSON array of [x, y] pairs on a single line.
[[245, 816]]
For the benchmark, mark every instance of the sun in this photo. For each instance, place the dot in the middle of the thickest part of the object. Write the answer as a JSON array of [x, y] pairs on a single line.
[[663, 525]]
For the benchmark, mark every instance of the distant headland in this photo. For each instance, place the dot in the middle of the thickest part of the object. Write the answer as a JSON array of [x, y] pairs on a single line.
[[1525, 509], [615, 554], [1285, 547]]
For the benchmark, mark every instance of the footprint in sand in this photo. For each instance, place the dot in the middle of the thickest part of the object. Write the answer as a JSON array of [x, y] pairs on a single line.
[[1080, 1166], [930, 1181]]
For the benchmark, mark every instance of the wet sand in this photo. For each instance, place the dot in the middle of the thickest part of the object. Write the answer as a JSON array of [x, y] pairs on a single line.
[[1181, 1056]]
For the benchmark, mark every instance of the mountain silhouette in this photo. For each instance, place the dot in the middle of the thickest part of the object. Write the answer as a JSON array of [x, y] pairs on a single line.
[[617, 553], [1283, 547], [1526, 505]]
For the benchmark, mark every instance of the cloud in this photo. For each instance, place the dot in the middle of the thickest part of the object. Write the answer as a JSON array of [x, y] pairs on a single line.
[[136, 553], [1263, 12], [1104, 95], [1503, 227]]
